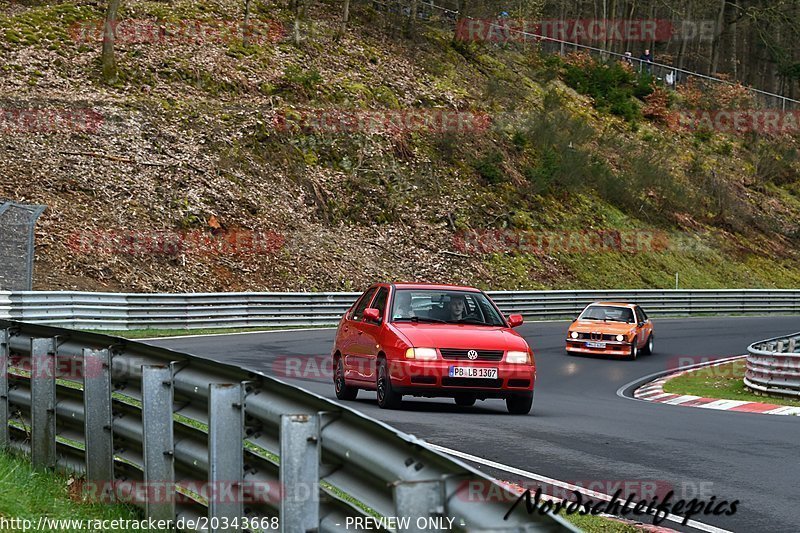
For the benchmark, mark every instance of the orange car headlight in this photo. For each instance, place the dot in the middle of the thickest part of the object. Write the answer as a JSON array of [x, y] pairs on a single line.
[[421, 354], [620, 338], [574, 334]]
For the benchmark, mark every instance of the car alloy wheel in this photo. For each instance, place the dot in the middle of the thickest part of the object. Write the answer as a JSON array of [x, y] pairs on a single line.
[[387, 397], [343, 391]]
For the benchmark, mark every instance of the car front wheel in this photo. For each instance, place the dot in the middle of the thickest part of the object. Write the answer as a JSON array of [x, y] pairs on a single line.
[[634, 350], [343, 391], [387, 397], [648, 348], [519, 404]]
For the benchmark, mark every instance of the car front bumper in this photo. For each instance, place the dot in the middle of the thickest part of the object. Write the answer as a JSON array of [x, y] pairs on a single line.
[[612, 347], [432, 378]]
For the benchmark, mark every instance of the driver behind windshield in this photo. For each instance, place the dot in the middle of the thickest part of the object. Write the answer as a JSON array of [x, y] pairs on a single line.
[[457, 308]]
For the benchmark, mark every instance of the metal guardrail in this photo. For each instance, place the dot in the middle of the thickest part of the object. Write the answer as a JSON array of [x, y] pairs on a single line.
[[187, 438], [119, 311], [773, 366], [5, 304]]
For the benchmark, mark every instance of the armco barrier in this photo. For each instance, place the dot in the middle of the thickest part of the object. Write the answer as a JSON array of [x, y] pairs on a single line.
[[187, 431], [5, 304], [773, 366], [110, 311]]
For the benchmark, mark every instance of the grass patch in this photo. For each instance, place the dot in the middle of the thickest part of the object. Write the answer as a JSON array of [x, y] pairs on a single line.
[[723, 382], [30, 493], [152, 333], [598, 524]]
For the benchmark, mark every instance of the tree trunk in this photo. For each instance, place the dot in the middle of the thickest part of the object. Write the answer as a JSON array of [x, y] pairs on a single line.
[[412, 19], [345, 17], [109, 30], [684, 40], [246, 29], [717, 44], [299, 11]]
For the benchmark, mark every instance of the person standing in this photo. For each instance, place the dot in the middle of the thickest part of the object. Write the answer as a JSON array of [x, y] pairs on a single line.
[[646, 61]]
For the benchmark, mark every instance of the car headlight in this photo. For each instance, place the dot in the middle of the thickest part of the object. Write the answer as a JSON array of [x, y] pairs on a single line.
[[421, 354], [620, 338], [574, 334], [519, 358]]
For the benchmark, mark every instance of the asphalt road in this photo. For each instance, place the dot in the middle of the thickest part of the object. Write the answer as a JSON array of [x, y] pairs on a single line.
[[579, 429]]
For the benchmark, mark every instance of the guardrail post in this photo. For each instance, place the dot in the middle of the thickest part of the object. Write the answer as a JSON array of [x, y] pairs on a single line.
[[43, 402], [97, 421], [418, 501], [157, 442], [225, 455], [299, 473], [4, 355]]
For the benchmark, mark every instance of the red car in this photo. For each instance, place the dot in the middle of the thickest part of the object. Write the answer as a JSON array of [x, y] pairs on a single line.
[[433, 341]]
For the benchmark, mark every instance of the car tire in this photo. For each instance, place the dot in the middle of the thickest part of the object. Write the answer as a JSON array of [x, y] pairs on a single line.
[[465, 400], [519, 404], [387, 397], [343, 391], [634, 350], [649, 345]]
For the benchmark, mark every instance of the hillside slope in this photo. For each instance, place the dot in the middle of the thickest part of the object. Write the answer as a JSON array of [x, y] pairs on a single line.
[[202, 139]]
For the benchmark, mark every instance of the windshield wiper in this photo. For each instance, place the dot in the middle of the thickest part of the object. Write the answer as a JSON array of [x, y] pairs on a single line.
[[421, 319], [474, 321]]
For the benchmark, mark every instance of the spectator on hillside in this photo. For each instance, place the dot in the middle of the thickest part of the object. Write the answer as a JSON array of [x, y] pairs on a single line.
[[628, 59], [646, 61]]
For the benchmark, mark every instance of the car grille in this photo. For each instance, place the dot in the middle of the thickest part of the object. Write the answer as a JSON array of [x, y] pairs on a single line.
[[472, 382], [597, 336], [483, 355]]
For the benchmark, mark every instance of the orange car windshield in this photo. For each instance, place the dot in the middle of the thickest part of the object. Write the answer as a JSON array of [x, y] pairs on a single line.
[[608, 313]]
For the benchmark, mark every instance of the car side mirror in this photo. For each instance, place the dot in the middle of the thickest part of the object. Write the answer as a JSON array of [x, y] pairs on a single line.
[[371, 314], [515, 320]]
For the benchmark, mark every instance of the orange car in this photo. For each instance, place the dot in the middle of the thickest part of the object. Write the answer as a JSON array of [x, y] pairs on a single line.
[[611, 328]]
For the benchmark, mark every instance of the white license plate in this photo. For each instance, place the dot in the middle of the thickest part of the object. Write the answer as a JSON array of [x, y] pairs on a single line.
[[595, 345], [473, 372]]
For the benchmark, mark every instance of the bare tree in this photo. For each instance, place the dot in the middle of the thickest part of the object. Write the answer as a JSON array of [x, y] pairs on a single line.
[[247, 29], [345, 17], [109, 33]]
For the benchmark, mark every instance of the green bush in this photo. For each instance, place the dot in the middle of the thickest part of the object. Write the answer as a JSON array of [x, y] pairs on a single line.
[[612, 85], [305, 80], [489, 167]]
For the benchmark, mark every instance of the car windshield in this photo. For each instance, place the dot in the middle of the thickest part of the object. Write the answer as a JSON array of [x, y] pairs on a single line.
[[607, 312], [445, 307]]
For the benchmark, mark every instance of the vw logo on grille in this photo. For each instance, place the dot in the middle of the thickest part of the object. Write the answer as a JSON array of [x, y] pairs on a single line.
[[472, 354]]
